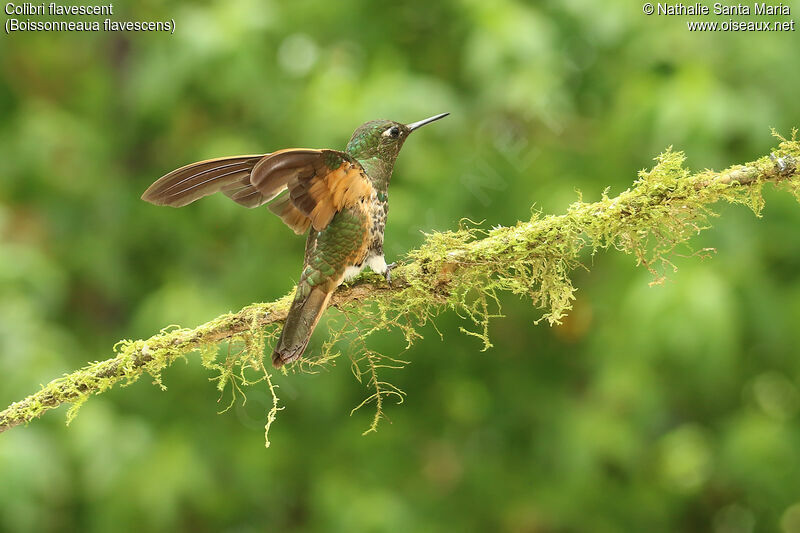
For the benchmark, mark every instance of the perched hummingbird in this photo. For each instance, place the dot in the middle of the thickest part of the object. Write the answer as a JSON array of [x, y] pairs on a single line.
[[341, 195]]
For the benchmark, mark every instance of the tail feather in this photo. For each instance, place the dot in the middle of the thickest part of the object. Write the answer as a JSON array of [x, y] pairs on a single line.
[[304, 314]]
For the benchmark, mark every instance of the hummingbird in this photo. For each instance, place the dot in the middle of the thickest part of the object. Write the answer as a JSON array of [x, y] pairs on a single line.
[[339, 197]]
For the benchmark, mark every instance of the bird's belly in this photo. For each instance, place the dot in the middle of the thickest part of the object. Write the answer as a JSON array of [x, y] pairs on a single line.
[[376, 263], [352, 271]]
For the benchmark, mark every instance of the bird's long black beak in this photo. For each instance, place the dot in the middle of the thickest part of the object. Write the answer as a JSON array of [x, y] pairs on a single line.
[[419, 124]]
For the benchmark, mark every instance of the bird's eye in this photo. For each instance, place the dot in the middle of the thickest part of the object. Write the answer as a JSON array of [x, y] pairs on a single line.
[[394, 131]]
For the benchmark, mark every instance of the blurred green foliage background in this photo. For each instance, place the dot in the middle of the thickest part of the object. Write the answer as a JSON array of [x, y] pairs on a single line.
[[668, 408]]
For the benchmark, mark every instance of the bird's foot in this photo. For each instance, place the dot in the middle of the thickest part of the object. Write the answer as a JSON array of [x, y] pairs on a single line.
[[388, 273]]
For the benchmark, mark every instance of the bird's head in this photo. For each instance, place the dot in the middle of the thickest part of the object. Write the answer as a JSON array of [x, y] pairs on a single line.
[[383, 138]]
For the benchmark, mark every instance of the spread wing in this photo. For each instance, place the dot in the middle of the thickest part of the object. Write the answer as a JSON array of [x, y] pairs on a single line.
[[319, 183], [187, 184]]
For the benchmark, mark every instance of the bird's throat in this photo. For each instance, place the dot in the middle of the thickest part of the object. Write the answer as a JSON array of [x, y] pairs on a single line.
[[379, 171]]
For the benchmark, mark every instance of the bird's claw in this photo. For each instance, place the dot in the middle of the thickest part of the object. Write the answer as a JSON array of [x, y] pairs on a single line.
[[388, 273]]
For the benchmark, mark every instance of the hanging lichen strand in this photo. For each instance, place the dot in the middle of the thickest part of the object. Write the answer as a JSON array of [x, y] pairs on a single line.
[[463, 271]]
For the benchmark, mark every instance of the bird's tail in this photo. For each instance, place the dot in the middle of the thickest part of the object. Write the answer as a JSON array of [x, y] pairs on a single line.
[[306, 310]]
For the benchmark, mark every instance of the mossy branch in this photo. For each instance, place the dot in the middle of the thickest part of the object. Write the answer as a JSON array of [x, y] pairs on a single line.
[[462, 270]]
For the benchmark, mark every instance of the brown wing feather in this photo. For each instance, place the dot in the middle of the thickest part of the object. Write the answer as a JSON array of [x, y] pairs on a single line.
[[273, 173], [293, 218], [319, 192], [320, 183], [191, 182], [243, 193]]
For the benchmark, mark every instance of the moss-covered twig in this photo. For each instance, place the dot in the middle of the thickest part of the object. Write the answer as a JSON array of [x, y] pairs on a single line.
[[461, 270]]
